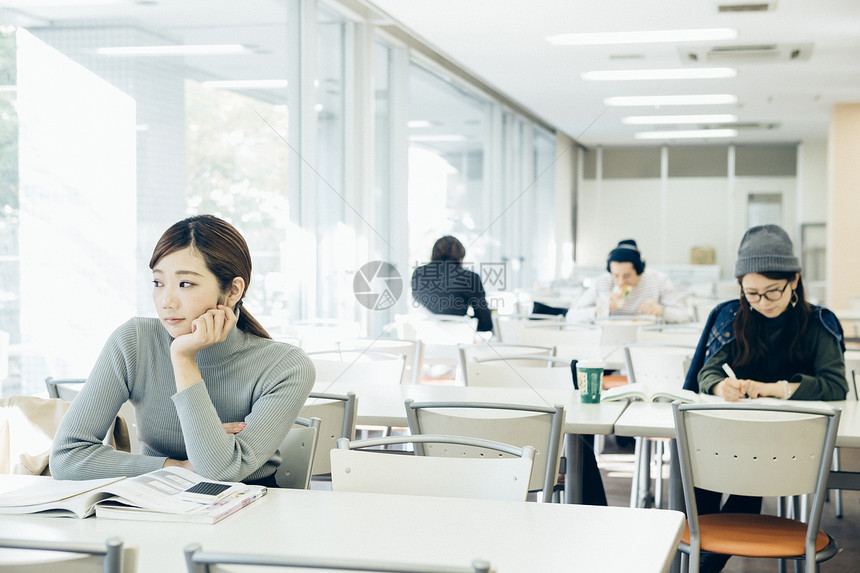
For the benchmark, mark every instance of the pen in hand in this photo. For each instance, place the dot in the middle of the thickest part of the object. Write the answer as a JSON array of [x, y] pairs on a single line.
[[731, 374]]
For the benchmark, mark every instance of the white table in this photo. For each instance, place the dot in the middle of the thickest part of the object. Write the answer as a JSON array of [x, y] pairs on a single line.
[[654, 420], [382, 405], [515, 537]]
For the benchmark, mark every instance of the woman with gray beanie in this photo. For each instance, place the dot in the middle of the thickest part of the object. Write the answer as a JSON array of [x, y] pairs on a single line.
[[774, 342]]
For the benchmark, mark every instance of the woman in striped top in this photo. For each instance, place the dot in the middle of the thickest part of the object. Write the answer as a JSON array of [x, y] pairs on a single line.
[[211, 391], [631, 290]]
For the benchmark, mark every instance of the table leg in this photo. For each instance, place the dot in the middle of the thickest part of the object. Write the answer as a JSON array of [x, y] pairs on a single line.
[[676, 493], [573, 470]]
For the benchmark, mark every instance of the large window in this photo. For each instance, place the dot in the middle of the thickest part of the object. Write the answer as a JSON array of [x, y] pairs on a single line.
[[449, 131], [102, 146], [327, 141]]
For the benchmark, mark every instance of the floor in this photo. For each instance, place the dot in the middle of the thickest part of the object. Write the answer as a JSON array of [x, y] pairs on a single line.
[[616, 467]]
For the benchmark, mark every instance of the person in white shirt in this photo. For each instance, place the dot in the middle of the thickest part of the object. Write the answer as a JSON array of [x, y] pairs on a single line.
[[631, 290]]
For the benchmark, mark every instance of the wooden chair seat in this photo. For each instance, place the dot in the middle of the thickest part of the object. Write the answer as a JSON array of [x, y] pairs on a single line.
[[752, 535]]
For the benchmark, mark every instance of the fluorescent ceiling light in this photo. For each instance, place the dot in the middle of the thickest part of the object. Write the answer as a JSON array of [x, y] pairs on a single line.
[[419, 123], [175, 50], [667, 74], [711, 99], [687, 134], [244, 84], [643, 37], [437, 138], [675, 119]]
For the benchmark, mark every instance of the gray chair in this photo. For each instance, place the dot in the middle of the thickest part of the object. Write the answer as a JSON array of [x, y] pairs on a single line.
[[67, 388], [358, 366], [411, 350], [755, 450], [64, 388], [199, 561], [519, 372], [298, 450], [70, 557], [507, 327], [536, 426], [485, 350], [500, 473], [337, 414]]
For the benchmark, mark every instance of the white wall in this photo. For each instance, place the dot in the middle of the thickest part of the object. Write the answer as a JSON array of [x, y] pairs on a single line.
[[700, 211], [812, 182]]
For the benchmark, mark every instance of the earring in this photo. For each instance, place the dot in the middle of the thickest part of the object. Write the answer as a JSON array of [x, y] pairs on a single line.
[[794, 298]]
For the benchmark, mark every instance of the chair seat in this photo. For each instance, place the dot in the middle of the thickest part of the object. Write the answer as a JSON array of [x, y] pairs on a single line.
[[753, 535]]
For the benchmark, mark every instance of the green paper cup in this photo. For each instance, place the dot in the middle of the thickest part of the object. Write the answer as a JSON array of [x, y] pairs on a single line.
[[589, 377]]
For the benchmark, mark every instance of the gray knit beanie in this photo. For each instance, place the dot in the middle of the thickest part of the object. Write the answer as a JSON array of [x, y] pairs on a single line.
[[766, 248]]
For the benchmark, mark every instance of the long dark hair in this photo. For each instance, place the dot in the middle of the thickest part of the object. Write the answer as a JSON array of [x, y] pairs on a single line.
[[750, 325], [448, 248], [223, 249]]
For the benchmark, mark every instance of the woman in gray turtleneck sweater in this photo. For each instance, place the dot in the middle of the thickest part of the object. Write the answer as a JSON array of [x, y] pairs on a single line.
[[211, 391]]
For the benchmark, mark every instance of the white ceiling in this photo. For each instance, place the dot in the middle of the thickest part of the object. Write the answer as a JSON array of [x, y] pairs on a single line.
[[503, 43]]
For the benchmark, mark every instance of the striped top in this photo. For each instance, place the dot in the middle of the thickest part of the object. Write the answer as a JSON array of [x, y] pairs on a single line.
[[245, 378], [653, 286]]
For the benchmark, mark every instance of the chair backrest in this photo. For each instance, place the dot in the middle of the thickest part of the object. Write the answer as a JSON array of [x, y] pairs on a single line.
[[436, 329], [520, 372], [64, 388], [410, 349], [297, 450], [358, 366], [337, 415], [321, 334], [660, 366], [502, 473], [756, 450], [578, 341], [536, 426], [703, 307], [470, 352], [685, 334], [509, 326], [39, 555], [67, 388], [199, 561], [616, 332], [852, 372]]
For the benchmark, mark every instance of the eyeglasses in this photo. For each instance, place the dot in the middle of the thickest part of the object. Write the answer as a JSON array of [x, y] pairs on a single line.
[[772, 295]]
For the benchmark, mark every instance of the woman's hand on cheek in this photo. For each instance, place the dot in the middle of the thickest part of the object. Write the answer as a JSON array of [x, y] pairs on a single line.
[[210, 328]]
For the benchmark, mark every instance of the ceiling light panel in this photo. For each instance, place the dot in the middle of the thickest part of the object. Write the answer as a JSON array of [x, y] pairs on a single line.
[[710, 99], [687, 134], [679, 119], [642, 37], [245, 84], [174, 50], [666, 74]]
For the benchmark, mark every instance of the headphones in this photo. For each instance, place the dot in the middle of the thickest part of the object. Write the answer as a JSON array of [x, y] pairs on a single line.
[[638, 264]]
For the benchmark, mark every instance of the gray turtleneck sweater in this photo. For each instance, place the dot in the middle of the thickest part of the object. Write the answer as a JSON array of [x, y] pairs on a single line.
[[245, 378]]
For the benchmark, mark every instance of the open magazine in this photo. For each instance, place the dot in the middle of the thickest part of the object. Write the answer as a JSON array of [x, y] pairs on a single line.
[[154, 496], [642, 392]]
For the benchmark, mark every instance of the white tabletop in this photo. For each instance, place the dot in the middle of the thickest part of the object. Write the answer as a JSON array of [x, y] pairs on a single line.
[[513, 536], [654, 420], [382, 405]]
